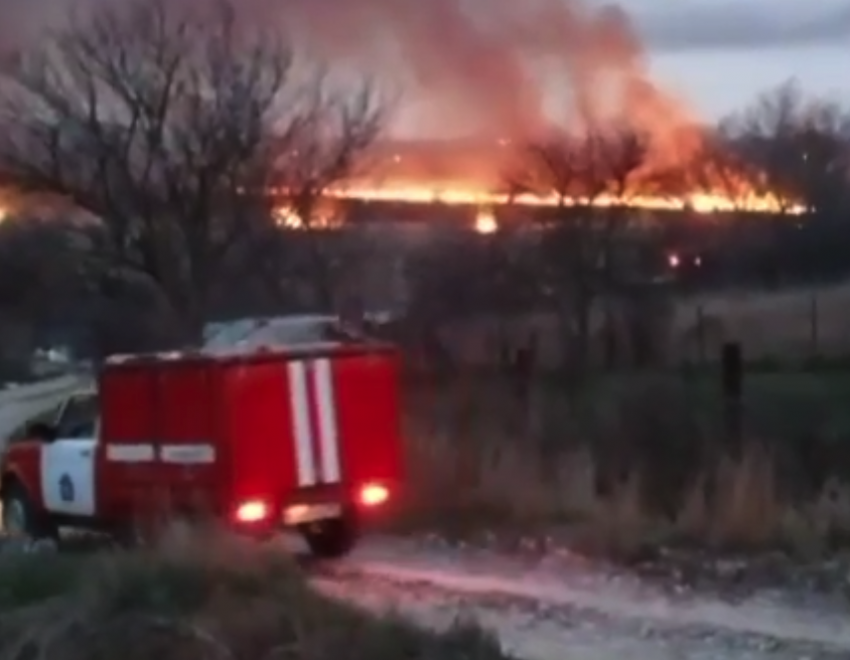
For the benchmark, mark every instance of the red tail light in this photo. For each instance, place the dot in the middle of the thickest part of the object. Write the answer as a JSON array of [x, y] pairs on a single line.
[[252, 511], [373, 494]]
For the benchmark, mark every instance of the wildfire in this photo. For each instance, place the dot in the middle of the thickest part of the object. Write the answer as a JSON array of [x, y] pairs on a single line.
[[485, 222], [286, 218], [487, 203], [468, 174], [324, 217], [699, 202]]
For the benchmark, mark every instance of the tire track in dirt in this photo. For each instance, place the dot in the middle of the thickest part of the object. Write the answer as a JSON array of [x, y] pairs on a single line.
[[579, 611]]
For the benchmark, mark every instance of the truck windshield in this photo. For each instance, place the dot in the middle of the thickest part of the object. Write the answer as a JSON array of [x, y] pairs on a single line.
[[79, 418]]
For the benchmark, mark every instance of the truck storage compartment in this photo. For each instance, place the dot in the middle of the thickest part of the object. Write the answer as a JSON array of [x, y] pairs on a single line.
[[127, 399], [313, 428], [160, 433], [369, 419], [190, 411], [258, 428], [274, 437]]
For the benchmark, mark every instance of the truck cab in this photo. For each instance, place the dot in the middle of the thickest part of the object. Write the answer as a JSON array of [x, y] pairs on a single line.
[[44, 458], [259, 440]]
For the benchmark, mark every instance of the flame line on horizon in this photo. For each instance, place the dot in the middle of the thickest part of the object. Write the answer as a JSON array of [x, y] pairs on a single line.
[[698, 202]]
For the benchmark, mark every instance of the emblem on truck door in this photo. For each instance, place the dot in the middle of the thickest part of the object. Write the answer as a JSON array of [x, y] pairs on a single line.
[[66, 488]]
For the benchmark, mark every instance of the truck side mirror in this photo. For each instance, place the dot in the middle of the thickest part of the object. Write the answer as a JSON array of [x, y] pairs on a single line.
[[42, 431]]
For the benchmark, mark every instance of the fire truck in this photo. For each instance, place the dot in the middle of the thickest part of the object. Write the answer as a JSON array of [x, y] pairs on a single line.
[[303, 437]]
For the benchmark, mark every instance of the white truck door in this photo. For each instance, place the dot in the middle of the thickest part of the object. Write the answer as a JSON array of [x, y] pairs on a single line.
[[68, 463]]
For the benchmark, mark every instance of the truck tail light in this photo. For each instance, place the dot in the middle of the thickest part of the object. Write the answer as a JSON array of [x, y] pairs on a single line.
[[372, 494], [252, 511]]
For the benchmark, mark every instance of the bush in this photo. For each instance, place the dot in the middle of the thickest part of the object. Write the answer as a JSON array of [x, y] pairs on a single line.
[[631, 462], [200, 598]]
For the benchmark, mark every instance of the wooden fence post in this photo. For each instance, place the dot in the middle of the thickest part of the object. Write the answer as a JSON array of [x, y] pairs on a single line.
[[701, 339], [732, 382], [814, 327]]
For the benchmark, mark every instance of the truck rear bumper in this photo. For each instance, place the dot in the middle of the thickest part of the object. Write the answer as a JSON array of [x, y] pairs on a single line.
[[312, 505], [304, 514]]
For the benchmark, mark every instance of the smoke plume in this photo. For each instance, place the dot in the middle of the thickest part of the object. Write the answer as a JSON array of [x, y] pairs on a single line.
[[477, 66], [493, 69]]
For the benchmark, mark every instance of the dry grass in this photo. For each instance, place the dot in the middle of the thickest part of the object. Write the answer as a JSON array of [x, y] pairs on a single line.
[[459, 488], [788, 326], [478, 470], [197, 597]]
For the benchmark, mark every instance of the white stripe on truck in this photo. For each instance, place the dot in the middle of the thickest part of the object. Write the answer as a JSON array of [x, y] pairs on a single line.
[[328, 431], [187, 454], [130, 453], [305, 430], [299, 401], [146, 453]]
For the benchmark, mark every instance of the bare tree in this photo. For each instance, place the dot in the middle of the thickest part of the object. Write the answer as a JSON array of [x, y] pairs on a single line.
[[332, 146], [36, 269], [799, 149], [167, 128], [36, 264], [799, 145], [590, 179]]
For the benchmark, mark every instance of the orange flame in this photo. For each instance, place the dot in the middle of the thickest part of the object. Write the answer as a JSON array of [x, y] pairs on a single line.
[[459, 173], [468, 173], [486, 203], [699, 202]]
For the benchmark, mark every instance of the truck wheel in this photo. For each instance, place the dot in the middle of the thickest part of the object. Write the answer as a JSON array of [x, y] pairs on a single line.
[[22, 519], [331, 539]]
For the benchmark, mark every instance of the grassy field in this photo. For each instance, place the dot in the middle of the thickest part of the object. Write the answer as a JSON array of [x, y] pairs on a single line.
[[633, 459], [790, 325], [198, 597], [785, 327]]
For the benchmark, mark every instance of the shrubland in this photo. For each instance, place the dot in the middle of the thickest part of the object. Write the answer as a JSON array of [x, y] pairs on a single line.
[[634, 461], [199, 597]]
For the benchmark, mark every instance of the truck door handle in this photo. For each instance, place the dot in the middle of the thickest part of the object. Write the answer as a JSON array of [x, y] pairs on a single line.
[[86, 453]]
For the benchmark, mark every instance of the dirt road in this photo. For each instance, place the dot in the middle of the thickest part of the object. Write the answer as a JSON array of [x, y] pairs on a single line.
[[567, 608]]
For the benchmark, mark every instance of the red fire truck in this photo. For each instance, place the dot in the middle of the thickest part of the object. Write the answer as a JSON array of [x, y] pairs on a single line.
[[306, 438]]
